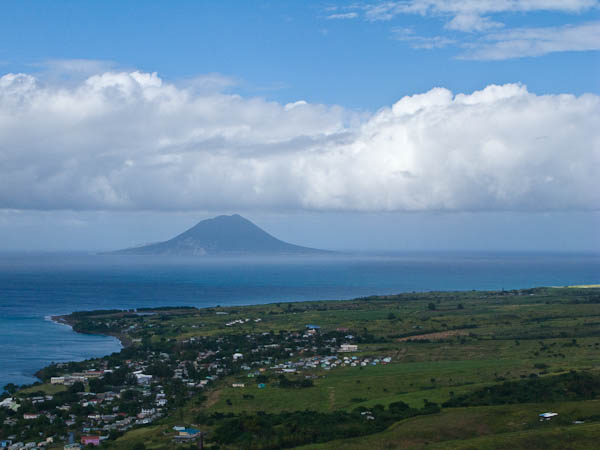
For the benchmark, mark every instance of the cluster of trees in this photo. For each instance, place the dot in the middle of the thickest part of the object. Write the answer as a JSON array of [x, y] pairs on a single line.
[[569, 386], [290, 429], [286, 382]]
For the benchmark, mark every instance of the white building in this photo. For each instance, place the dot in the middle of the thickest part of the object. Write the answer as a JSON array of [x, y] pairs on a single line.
[[345, 348]]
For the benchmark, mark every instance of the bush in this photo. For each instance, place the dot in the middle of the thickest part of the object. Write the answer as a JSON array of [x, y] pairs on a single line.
[[568, 386]]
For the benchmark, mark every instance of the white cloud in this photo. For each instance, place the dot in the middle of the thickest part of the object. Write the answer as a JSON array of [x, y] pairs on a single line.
[[76, 66], [421, 42], [130, 141], [348, 15], [470, 15], [471, 23], [521, 42]]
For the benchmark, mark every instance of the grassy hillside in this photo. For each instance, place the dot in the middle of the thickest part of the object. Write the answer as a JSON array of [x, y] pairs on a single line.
[[449, 348]]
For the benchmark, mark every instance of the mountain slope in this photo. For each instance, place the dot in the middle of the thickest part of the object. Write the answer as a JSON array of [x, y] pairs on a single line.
[[222, 235]]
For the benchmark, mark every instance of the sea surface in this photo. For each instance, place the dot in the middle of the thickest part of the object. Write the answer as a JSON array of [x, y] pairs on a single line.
[[34, 287]]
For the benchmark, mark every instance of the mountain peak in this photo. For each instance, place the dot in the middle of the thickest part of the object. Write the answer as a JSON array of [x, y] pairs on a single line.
[[223, 235]]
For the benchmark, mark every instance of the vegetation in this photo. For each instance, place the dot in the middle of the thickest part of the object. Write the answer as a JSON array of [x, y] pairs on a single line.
[[290, 429], [568, 386], [256, 377]]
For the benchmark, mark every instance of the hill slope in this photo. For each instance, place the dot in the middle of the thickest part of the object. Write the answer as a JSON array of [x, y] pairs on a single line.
[[222, 235]]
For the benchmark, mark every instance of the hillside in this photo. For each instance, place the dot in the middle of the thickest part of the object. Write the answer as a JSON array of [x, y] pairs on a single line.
[[477, 370]]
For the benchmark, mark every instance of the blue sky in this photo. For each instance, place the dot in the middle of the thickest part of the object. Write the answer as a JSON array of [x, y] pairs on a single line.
[[442, 117], [286, 50]]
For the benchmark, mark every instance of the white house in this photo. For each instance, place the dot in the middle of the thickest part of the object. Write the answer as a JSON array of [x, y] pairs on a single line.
[[344, 348]]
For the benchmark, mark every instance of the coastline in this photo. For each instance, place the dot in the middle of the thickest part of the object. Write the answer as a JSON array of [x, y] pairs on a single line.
[[68, 320], [126, 341], [422, 356]]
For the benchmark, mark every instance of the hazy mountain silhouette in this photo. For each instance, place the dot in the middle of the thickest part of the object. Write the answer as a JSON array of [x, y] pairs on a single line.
[[222, 235]]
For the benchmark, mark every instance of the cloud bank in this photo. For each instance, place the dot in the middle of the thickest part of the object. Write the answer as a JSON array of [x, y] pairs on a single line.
[[131, 141]]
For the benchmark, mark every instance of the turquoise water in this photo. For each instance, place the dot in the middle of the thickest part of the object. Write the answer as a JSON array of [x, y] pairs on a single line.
[[33, 287]]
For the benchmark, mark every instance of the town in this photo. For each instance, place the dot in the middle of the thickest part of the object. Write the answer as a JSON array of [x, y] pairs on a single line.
[[102, 399], [285, 375]]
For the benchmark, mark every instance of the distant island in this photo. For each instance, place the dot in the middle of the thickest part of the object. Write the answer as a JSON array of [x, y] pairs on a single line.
[[223, 235]]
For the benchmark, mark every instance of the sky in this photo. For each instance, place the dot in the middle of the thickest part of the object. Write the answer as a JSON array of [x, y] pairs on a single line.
[[387, 125]]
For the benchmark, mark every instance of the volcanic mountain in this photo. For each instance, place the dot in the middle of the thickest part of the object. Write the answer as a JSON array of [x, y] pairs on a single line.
[[222, 235]]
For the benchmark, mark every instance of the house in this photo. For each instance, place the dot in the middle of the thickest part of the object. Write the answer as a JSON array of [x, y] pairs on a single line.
[[345, 348], [547, 415], [9, 403], [237, 356], [142, 378], [189, 432], [146, 412], [72, 447], [30, 416], [90, 439]]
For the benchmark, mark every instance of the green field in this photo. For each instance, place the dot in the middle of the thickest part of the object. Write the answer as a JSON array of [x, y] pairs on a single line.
[[442, 345]]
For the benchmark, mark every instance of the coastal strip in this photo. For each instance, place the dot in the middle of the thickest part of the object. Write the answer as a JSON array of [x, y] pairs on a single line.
[[190, 375], [70, 321]]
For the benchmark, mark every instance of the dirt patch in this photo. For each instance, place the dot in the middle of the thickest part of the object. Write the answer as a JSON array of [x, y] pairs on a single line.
[[212, 398], [434, 336], [331, 397]]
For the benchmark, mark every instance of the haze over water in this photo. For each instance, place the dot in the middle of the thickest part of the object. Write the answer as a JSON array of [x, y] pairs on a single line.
[[33, 287]]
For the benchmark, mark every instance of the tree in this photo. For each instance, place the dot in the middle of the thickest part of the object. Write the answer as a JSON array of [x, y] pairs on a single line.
[[431, 306], [97, 385], [11, 388], [77, 387]]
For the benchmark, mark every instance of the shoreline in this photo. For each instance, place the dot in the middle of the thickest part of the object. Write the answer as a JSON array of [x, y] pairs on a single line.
[[125, 341], [66, 319]]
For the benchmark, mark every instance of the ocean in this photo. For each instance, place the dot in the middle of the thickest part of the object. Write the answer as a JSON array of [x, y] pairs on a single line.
[[34, 287]]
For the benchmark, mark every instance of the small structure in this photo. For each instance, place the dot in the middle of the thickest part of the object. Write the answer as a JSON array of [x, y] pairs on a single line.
[[262, 385], [73, 446], [142, 378], [10, 403], [188, 435], [547, 416], [90, 439], [189, 432], [237, 356], [345, 348]]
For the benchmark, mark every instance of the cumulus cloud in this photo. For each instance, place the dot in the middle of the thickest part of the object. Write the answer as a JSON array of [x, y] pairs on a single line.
[[131, 141]]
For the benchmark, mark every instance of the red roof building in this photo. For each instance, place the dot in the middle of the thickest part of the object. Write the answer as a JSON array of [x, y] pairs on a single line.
[[94, 440]]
